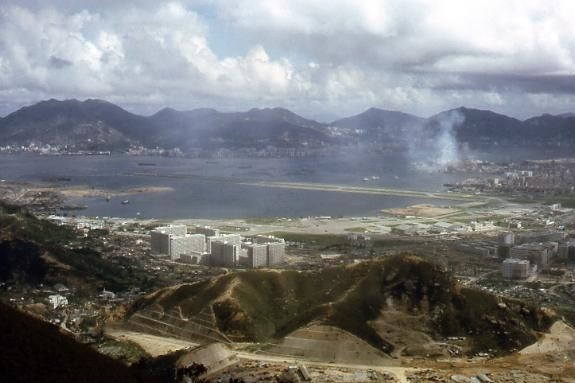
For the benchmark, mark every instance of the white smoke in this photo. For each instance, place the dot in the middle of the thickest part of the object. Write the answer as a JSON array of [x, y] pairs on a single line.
[[446, 144], [433, 149]]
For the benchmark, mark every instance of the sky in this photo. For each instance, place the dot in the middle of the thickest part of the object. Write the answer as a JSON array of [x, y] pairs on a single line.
[[323, 59]]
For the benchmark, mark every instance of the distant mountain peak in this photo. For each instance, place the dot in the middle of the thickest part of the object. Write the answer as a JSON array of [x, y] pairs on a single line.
[[166, 110]]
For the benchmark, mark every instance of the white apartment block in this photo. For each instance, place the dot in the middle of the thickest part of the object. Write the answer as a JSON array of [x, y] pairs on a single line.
[[236, 239], [186, 244], [276, 253], [257, 255], [160, 238], [175, 242], [224, 253]]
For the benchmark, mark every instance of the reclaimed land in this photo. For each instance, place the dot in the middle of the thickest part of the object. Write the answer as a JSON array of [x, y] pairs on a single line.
[[323, 187]]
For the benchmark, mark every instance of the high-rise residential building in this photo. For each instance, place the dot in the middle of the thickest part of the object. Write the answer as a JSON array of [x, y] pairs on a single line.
[[257, 255], [186, 244], [536, 253], [514, 268], [231, 238], [275, 250], [197, 243], [160, 238], [159, 242], [276, 253], [174, 242], [224, 253], [543, 235]]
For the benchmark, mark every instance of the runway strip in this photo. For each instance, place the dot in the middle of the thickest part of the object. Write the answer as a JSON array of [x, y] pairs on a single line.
[[322, 187]]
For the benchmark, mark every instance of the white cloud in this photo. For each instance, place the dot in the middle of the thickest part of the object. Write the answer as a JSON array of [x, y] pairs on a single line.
[[318, 57], [161, 50]]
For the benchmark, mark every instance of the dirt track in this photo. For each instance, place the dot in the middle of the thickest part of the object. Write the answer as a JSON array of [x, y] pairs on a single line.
[[153, 345]]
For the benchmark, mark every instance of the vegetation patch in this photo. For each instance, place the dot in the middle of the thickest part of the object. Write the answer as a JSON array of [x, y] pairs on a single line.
[[262, 305]]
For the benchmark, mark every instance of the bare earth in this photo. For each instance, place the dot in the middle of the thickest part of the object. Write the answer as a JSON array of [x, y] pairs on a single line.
[[153, 345], [561, 337]]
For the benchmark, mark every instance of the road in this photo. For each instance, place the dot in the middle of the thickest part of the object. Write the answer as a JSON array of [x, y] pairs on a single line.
[[476, 279], [398, 372], [160, 345]]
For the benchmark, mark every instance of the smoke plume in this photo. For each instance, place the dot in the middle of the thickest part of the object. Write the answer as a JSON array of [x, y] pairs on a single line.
[[434, 147]]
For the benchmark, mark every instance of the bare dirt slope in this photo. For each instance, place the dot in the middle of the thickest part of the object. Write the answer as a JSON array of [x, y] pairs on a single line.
[[394, 305], [327, 344], [152, 344], [561, 337]]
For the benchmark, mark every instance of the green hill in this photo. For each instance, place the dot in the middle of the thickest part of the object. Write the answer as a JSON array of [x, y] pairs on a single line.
[[266, 305], [34, 251]]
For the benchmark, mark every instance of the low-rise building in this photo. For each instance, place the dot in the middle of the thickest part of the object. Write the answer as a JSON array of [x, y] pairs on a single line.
[[441, 227], [411, 229], [207, 231], [482, 248], [57, 300], [482, 226]]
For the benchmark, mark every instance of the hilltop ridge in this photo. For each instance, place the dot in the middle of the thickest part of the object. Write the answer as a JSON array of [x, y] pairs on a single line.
[[415, 294]]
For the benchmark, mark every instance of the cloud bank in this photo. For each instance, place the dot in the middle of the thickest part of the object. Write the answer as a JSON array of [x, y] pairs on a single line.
[[320, 58]]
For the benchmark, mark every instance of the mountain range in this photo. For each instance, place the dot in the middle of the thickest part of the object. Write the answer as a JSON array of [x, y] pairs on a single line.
[[101, 125]]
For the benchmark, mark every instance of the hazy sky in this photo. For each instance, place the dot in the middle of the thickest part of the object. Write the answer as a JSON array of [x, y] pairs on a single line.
[[323, 59]]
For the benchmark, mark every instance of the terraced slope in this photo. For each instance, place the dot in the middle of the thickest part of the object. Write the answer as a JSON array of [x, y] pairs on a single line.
[[380, 302]]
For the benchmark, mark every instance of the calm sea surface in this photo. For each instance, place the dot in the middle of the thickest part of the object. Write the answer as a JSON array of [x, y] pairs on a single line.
[[194, 196]]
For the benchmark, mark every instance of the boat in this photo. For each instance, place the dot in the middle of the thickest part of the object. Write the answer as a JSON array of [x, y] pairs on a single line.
[[108, 197], [146, 164], [125, 202]]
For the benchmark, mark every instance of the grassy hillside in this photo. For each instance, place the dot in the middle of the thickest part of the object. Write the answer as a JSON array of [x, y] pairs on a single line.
[[263, 305], [34, 251]]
